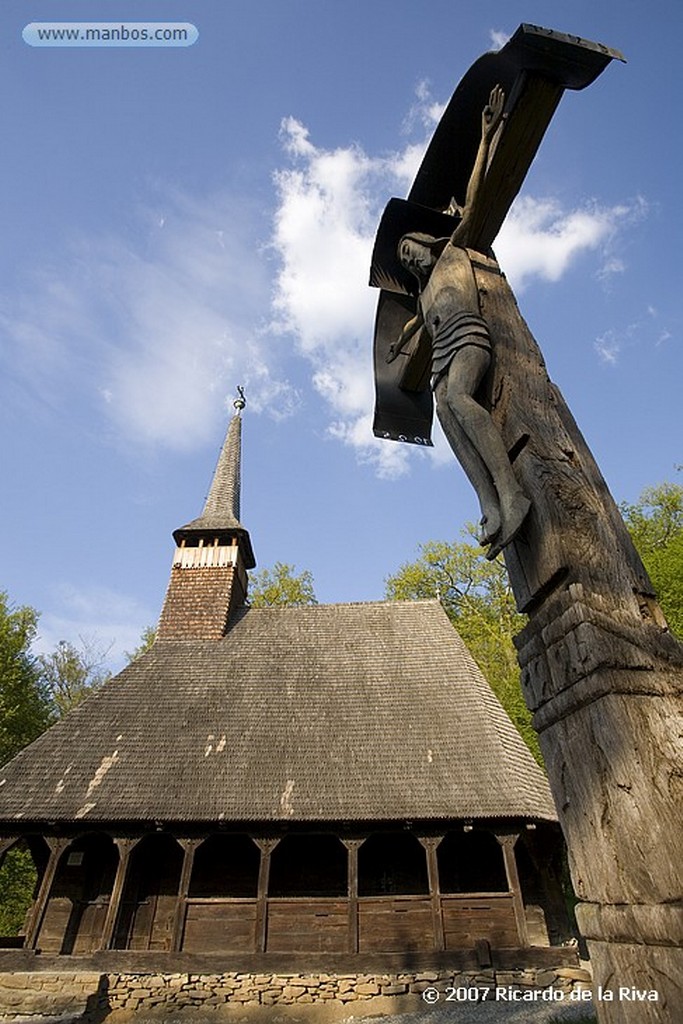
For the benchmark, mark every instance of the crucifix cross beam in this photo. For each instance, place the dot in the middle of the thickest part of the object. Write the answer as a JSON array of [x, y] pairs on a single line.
[[534, 68]]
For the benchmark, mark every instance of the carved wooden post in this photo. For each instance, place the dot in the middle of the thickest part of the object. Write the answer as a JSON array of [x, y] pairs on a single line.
[[353, 846], [430, 844], [507, 843], [57, 848], [125, 847], [266, 846], [602, 676], [189, 846]]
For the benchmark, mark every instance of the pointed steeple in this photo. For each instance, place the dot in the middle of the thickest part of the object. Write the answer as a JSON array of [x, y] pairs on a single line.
[[208, 577], [223, 500], [221, 513]]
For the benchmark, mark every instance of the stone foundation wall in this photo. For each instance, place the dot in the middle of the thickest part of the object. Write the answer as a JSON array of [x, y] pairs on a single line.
[[24, 995]]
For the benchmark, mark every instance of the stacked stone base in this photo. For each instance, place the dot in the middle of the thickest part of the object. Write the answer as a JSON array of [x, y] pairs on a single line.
[[88, 996], [46, 996]]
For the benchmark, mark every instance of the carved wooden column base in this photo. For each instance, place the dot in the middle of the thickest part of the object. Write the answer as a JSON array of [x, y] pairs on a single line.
[[605, 691], [631, 949]]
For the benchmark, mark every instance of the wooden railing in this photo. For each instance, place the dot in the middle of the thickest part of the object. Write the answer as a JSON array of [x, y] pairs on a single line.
[[208, 555]]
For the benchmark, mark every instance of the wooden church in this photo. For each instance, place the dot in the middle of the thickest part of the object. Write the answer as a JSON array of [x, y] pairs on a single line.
[[331, 779]]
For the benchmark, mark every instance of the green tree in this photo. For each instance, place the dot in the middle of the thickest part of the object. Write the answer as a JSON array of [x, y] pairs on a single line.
[[24, 699], [281, 586], [71, 673], [147, 638], [655, 523], [477, 598], [25, 712], [18, 878]]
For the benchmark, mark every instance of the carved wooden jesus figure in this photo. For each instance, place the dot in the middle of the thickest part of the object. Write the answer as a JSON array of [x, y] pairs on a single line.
[[449, 313]]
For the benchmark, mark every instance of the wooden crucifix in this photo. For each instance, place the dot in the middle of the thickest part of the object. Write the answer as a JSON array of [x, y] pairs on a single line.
[[600, 671]]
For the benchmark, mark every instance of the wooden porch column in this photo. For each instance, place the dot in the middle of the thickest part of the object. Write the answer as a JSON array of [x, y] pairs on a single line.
[[353, 846], [125, 848], [430, 844], [189, 846], [57, 848], [266, 846], [507, 843]]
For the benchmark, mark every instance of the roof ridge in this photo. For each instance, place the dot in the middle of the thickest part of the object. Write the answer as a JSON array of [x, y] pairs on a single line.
[[379, 603]]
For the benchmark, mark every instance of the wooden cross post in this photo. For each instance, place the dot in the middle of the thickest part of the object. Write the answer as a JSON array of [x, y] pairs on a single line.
[[600, 672], [603, 678]]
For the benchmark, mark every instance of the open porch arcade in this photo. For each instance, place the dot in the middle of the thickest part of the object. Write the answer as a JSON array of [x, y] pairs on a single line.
[[390, 891]]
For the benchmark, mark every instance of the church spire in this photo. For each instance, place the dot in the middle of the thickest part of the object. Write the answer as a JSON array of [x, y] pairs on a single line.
[[208, 577], [221, 514], [223, 499]]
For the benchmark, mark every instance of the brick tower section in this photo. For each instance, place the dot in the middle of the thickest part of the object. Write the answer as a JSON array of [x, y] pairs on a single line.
[[200, 601]]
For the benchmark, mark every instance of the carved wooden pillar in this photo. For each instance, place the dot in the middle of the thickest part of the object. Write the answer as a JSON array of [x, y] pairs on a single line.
[[125, 848], [602, 677], [507, 843], [57, 848], [189, 846], [266, 846], [430, 844], [353, 846]]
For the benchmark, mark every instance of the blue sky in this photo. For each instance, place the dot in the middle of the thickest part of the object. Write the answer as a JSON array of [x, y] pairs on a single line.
[[178, 221]]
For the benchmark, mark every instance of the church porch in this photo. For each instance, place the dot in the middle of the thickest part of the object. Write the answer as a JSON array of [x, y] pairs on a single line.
[[388, 892]]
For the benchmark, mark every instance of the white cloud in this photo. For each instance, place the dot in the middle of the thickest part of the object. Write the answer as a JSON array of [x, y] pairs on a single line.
[[608, 347], [390, 459], [156, 325], [541, 239], [425, 111], [498, 39], [324, 230], [645, 332], [611, 266]]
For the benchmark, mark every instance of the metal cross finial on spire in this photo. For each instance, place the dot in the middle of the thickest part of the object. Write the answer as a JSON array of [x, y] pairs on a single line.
[[241, 401]]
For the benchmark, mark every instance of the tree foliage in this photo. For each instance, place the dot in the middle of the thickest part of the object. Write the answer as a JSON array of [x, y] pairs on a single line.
[[281, 586], [71, 673], [477, 598], [24, 699], [147, 638], [18, 878], [655, 523]]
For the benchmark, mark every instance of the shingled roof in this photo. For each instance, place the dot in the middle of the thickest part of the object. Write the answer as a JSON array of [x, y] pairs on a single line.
[[327, 713]]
